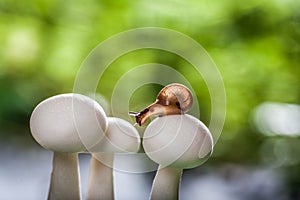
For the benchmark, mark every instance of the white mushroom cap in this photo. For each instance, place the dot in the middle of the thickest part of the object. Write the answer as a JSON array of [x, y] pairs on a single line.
[[120, 137], [68, 123], [180, 141]]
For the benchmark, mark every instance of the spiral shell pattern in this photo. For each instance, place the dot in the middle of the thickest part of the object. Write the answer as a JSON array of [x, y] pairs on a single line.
[[177, 94]]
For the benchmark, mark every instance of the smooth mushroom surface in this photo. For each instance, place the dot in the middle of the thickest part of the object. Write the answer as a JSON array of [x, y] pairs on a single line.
[[120, 137], [68, 123], [180, 141]]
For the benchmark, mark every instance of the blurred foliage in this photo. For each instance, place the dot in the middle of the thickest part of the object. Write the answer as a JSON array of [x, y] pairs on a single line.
[[255, 44]]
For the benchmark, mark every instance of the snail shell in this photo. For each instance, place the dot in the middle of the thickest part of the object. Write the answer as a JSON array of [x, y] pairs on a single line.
[[173, 99]]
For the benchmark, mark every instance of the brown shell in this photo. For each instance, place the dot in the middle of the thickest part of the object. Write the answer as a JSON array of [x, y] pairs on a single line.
[[176, 94]]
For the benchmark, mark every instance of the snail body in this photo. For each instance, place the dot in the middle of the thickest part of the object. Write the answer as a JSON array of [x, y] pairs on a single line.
[[173, 99]]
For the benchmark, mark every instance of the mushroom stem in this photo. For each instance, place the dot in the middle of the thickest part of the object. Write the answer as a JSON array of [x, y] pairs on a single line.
[[65, 177], [166, 183], [100, 184]]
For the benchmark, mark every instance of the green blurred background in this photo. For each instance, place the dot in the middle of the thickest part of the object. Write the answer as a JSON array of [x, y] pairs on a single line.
[[255, 44]]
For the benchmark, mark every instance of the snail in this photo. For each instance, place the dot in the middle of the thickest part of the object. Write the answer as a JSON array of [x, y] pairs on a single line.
[[173, 99]]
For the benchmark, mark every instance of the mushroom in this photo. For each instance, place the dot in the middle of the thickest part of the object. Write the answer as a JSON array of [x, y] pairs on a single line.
[[67, 124], [173, 99], [120, 137], [175, 142]]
